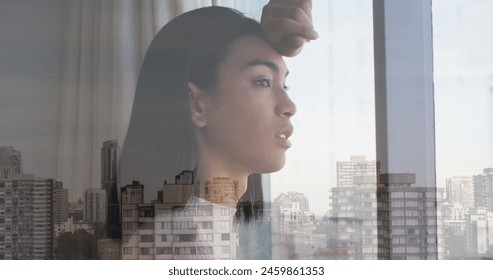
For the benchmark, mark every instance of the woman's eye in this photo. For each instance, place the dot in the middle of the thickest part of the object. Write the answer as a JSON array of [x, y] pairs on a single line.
[[262, 83]]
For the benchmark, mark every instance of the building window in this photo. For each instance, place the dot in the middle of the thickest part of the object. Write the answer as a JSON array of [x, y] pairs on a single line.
[[184, 237], [225, 236], [127, 226], [166, 225], [411, 204], [147, 238], [225, 212], [164, 213], [412, 222], [127, 250], [399, 250], [225, 249], [204, 211], [147, 251], [126, 238], [397, 222], [206, 237], [127, 213], [164, 250], [164, 237], [207, 225], [146, 225], [205, 250]]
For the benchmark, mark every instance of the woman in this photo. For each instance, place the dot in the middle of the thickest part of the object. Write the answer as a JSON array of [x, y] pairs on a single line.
[[211, 97]]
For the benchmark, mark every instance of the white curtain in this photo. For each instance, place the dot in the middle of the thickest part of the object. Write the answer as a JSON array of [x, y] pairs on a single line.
[[104, 43]]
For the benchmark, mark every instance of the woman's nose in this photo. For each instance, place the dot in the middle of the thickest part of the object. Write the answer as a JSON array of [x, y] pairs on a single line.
[[285, 107]]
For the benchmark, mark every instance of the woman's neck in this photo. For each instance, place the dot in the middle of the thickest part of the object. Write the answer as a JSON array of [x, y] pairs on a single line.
[[220, 185]]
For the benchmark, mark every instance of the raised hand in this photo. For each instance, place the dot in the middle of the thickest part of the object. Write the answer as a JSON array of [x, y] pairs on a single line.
[[288, 25]]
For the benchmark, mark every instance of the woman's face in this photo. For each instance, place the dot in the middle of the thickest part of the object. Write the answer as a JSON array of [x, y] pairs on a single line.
[[248, 113]]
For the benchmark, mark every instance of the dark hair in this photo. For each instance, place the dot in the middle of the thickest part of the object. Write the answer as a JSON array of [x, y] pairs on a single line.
[[160, 141]]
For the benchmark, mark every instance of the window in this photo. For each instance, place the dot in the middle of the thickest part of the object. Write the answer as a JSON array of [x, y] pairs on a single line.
[[206, 237], [225, 212], [411, 204], [225, 236], [127, 250], [412, 250], [185, 237], [127, 226], [147, 251], [205, 250], [184, 225], [398, 213], [397, 195], [164, 213], [411, 195], [399, 250], [146, 225], [127, 213], [225, 249], [397, 222], [164, 250], [165, 225], [204, 210], [147, 238], [412, 222]]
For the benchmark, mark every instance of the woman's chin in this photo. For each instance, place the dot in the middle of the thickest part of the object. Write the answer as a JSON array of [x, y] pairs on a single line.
[[272, 167]]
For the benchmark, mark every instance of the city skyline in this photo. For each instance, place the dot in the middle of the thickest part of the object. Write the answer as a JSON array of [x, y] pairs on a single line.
[[466, 215], [114, 145]]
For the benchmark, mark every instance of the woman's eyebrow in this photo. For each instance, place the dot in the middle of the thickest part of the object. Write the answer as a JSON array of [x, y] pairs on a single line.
[[274, 67]]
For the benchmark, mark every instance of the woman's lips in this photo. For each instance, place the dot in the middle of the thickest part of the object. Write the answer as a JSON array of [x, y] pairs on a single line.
[[282, 137]]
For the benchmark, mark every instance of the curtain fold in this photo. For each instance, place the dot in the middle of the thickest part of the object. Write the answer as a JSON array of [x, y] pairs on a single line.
[[104, 43]]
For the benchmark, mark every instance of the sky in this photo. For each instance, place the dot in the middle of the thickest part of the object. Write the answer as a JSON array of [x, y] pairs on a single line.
[[331, 82]]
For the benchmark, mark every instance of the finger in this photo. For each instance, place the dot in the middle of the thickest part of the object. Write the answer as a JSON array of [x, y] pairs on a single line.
[[291, 46], [299, 13], [295, 28], [306, 5]]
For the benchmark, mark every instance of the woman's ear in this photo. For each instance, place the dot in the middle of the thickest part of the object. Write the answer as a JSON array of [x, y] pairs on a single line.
[[197, 101]]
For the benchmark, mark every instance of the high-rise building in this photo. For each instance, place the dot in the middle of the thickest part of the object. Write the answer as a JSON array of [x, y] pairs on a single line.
[[357, 166], [352, 230], [479, 234], [391, 219], [410, 218], [460, 190], [60, 202], [110, 163], [352, 224], [95, 206], [26, 223], [295, 226], [179, 225], [10, 162], [483, 190], [110, 182]]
